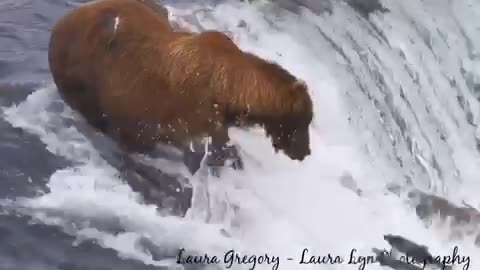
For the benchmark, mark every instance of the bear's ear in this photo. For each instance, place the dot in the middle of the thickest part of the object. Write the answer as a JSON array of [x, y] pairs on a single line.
[[299, 83], [301, 106], [299, 88]]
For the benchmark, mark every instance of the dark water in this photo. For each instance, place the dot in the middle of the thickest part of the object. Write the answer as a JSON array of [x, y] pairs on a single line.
[[25, 164]]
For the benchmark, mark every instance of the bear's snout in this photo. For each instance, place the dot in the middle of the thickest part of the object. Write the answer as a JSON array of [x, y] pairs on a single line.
[[298, 151]]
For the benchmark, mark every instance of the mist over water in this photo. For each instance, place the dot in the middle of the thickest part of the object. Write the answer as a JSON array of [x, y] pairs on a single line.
[[395, 86]]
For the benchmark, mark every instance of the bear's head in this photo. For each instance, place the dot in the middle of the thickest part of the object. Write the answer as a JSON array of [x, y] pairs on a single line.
[[290, 133]]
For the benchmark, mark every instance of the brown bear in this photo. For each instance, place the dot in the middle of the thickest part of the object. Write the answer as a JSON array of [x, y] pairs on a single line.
[[120, 65]]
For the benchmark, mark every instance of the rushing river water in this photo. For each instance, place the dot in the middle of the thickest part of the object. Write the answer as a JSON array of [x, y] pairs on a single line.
[[396, 88]]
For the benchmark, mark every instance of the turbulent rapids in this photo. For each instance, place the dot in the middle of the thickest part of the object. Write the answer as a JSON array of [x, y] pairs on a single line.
[[394, 148]]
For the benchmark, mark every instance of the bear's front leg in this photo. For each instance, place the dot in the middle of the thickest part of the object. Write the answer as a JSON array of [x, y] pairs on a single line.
[[233, 157], [222, 152]]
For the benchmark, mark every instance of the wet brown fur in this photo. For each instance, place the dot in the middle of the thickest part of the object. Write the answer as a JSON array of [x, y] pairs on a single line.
[[144, 83]]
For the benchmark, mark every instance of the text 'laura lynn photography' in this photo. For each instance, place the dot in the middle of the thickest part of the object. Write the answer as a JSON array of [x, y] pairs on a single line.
[[232, 257]]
